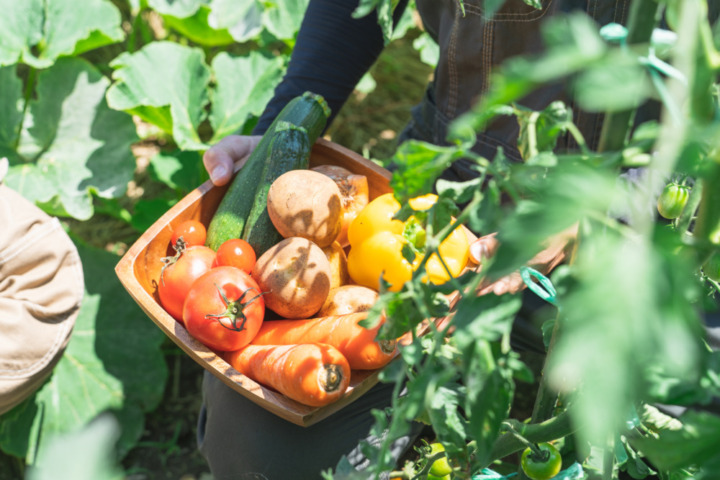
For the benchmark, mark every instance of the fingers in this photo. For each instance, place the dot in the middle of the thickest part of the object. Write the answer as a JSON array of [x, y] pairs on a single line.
[[229, 153], [511, 284], [483, 248]]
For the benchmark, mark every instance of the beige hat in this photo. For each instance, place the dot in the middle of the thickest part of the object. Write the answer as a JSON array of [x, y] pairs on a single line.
[[41, 288]]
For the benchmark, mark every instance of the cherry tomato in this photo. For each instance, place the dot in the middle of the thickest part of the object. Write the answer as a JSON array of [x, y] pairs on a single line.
[[541, 468], [440, 467], [236, 252], [192, 232], [672, 200], [178, 275], [224, 309]]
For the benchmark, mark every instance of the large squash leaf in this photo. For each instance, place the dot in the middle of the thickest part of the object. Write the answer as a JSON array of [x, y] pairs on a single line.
[[70, 144], [113, 362], [165, 84], [283, 17], [244, 86], [37, 32]]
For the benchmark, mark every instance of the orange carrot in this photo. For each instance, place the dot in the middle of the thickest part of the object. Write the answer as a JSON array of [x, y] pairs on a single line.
[[356, 343], [313, 374]]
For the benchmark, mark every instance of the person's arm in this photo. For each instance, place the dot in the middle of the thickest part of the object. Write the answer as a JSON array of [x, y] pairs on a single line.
[[332, 53]]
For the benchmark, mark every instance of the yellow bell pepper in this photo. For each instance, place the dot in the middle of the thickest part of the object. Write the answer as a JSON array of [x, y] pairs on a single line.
[[376, 243]]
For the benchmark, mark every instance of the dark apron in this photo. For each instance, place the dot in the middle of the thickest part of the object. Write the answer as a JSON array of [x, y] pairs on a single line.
[[471, 46]]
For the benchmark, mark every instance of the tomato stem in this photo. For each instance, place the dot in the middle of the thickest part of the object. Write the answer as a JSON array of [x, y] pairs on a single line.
[[234, 310], [179, 247]]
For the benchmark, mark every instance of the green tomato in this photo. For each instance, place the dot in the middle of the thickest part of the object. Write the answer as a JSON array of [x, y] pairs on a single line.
[[672, 200], [440, 468], [544, 468], [711, 267]]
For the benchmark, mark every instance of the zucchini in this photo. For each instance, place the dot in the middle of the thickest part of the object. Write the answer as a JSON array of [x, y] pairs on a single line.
[[309, 111], [289, 150]]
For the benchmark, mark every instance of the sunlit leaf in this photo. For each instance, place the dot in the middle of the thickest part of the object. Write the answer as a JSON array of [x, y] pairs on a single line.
[[71, 145], [37, 32], [283, 17], [243, 20], [244, 85], [165, 84]]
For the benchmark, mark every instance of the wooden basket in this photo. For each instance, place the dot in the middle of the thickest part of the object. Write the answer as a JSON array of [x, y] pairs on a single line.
[[139, 272]]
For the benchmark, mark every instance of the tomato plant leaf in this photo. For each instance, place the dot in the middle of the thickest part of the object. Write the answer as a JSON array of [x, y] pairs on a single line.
[[244, 85], [37, 32], [695, 443], [112, 362], [165, 84], [71, 145]]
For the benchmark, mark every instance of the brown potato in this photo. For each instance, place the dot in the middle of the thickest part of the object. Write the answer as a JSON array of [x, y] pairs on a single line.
[[354, 192], [307, 204], [294, 276], [348, 299], [338, 265]]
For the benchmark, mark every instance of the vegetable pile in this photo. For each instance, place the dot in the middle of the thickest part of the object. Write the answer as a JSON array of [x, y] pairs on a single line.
[[292, 261]]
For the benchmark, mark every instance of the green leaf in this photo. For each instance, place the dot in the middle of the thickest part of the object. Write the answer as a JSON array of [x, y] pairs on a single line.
[[148, 211], [384, 10], [618, 83], [418, 165], [112, 362], [176, 8], [242, 19], [178, 170], [694, 444], [11, 104], [428, 48], [165, 84], [197, 28], [244, 85], [38, 32], [85, 454], [283, 17], [72, 145]]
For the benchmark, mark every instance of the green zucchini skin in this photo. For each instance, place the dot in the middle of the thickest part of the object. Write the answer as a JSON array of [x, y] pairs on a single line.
[[309, 111], [289, 150]]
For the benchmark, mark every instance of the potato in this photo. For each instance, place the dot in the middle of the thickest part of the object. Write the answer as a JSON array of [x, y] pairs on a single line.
[[294, 276], [348, 299], [354, 193], [338, 265], [307, 204]]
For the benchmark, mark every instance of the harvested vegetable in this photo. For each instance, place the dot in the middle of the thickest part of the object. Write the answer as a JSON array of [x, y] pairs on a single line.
[[338, 265], [354, 192], [313, 374], [357, 343], [348, 299], [304, 203], [294, 276]]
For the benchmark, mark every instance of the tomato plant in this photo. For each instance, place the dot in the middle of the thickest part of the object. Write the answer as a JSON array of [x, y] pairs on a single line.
[[178, 274], [192, 233], [672, 200], [236, 252], [543, 465], [224, 309]]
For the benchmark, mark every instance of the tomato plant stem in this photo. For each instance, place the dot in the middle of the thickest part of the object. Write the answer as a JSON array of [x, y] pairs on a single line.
[[642, 22], [554, 428]]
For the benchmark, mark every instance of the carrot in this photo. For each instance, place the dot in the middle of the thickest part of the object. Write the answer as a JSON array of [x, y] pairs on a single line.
[[356, 343], [313, 374]]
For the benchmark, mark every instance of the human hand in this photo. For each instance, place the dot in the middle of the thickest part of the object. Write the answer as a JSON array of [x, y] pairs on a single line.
[[228, 155], [557, 248]]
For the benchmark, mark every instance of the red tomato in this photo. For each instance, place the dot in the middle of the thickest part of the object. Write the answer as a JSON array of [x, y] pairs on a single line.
[[178, 275], [224, 309], [236, 252], [192, 232]]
